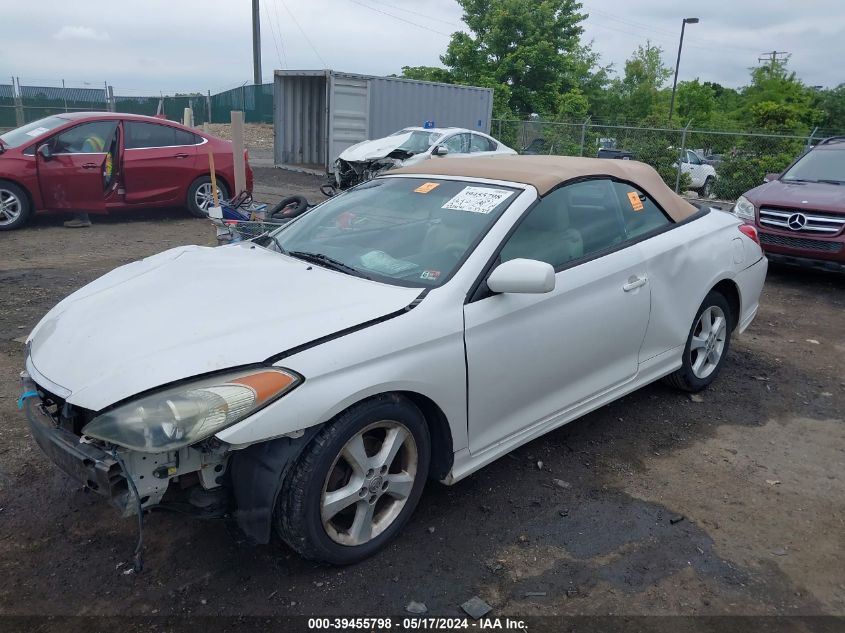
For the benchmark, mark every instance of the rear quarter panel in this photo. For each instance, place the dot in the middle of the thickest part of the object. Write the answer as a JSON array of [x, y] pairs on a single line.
[[684, 264]]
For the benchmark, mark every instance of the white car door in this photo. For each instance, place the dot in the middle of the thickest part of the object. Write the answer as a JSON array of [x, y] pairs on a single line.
[[457, 144], [531, 357], [695, 168]]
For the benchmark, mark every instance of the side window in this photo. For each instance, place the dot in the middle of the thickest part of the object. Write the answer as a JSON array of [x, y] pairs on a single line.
[[148, 135], [692, 158], [457, 144], [569, 223], [481, 144], [88, 138], [640, 212]]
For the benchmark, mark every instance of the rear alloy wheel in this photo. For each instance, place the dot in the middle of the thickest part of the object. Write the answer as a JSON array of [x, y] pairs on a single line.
[[200, 196], [357, 482], [14, 207], [707, 345], [707, 189]]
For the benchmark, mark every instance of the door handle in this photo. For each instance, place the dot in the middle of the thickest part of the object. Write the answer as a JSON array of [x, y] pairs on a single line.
[[634, 283], [90, 166], [180, 155]]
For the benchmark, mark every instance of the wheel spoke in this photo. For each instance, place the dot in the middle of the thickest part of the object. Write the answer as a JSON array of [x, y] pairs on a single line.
[[699, 363], [337, 500], [719, 325], [399, 485], [706, 321], [698, 342], [393, 441], [362, 526], [356, 456]]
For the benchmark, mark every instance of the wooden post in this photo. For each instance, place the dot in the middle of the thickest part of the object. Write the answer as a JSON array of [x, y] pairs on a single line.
[[213, 178], [238, 151]]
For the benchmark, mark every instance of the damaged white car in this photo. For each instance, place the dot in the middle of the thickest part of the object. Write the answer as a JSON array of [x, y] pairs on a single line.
[[419, 326], [410, 146]]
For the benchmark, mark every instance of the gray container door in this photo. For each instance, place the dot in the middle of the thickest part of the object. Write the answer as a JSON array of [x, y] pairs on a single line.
[[349, 114]]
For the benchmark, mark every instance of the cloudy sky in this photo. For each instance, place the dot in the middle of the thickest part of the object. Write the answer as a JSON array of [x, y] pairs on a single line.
[[153, 46]]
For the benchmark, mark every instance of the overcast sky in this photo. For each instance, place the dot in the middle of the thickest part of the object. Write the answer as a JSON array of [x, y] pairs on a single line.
[[152, 46]]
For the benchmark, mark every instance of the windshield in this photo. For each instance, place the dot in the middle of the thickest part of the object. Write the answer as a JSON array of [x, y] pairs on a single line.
[[819, 165], [403, 231], [31, 131], [418, 141]]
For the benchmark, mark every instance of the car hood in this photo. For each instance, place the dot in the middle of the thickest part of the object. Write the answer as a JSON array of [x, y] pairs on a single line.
[[819, 196], [194, 310], [373, 150]]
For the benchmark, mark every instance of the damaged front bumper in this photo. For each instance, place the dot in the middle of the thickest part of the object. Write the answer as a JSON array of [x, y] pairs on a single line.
[[88, 464], [106, 469]]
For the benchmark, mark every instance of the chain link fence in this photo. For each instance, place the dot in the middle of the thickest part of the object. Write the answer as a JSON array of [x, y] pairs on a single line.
[[713, 164], [21, 104]]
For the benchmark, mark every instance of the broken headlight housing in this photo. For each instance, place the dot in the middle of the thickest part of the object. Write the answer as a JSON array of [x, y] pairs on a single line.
[[187, 413]]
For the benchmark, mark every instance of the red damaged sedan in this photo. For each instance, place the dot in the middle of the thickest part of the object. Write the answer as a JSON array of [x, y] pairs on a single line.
[[96, 162]]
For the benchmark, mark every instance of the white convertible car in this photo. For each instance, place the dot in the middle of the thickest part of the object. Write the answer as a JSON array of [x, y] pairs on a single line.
[[416, 327]]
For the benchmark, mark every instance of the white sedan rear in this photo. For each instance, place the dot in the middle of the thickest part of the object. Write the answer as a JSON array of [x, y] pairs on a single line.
[[416, 327]]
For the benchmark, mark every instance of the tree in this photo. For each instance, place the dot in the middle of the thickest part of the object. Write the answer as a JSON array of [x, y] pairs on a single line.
[[530, 47], [695, 102], [640, 88], [777, 100], [831, 104], [427, 73]]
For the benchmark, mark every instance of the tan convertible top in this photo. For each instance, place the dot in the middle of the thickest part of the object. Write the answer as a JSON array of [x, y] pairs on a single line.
[[545, 173]]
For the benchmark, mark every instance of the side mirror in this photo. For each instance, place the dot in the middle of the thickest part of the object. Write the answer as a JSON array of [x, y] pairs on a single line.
[[771, 177], [440, 151], [525, 276], [44, 151]]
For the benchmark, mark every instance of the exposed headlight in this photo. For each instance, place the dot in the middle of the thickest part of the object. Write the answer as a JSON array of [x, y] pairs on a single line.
[[185, 414], [743, 208]]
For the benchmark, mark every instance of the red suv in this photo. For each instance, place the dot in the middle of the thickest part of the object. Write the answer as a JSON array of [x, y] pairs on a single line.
[[95, 162], [800, 215]]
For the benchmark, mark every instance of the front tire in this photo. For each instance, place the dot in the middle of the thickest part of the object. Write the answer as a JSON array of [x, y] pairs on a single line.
[[357, 483], [707, 345], [200, 197], [14, 206]]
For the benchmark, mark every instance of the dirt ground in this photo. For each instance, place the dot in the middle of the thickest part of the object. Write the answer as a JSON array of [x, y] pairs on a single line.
[[731, 503]]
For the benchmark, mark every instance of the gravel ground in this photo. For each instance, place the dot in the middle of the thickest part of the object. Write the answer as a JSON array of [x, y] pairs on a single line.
[[731, 503]]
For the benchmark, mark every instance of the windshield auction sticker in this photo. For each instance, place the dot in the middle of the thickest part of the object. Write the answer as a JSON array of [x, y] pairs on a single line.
[[634, 199], [426, 187], [477, 199]]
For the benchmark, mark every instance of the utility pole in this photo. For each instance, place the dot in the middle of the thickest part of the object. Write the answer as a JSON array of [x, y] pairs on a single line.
[[773, 57], [256, 43]]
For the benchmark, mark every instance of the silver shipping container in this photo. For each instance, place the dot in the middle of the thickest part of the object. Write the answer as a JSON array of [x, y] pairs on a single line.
[[319, 113]]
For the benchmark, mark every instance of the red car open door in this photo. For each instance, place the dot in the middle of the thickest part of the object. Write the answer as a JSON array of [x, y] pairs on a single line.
[[76, 165]]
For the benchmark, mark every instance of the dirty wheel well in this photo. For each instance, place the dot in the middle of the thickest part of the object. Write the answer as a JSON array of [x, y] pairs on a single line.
[[729, 291], [442, 453]]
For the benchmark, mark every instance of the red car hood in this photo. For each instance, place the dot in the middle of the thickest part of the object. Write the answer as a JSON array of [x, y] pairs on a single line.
[[817, 196]]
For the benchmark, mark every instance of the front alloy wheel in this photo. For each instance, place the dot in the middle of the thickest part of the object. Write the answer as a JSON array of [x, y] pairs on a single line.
[[369, 483], [357, 482]]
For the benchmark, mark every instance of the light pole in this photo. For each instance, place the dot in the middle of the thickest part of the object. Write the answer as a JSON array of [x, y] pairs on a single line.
[[678, 63]]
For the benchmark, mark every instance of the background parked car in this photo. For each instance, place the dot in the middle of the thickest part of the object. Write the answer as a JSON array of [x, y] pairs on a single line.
[[701, 174], [800, 214], [410, 146], [96, 162]]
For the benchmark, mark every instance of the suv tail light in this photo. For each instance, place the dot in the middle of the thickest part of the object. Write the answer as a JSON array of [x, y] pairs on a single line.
[[750, 231]]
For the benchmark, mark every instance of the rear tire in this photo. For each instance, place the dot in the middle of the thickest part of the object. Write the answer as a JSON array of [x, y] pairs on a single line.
[[200, 198], [14, 206], [707, 189], [707, 345], [357, 483]]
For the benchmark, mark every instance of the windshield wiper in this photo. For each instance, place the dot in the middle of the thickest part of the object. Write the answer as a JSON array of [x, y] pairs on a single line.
[[328, 262], [830, 181]]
